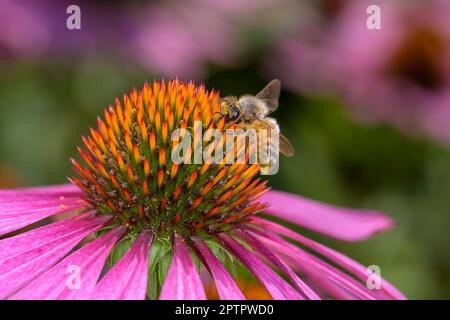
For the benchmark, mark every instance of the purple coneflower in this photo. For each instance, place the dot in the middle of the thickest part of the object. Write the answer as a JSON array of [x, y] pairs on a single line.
[[143, 227]]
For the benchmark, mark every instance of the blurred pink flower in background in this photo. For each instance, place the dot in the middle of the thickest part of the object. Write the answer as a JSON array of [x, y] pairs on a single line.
[[180, 39], [38, 28], [170, 39], [16, 33], [174, 41], [398, 75]]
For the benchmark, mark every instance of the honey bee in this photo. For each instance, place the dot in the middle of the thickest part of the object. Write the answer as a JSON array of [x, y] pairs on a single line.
[[250, 112]]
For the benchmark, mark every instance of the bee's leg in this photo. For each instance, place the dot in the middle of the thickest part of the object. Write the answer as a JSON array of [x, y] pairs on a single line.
[[271, 166]]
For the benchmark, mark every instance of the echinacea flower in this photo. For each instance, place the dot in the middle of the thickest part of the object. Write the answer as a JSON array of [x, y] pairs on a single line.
[[142, 226]]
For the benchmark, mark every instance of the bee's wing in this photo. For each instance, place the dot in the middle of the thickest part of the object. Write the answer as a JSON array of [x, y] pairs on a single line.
[[270, 94], [286, 147]]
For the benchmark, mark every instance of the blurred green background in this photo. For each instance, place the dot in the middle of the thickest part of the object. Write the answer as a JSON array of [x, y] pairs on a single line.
[[50, 96]]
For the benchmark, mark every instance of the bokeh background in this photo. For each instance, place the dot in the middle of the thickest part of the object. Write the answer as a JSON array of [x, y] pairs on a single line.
[[368, 111]]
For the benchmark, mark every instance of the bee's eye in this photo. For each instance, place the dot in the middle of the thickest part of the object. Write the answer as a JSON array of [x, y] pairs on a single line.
[[233, 115]]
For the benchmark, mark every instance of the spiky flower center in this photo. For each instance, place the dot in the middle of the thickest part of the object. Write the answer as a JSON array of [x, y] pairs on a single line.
[[128, 171]]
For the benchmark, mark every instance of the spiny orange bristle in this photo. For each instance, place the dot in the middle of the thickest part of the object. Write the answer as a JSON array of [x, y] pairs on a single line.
[[152, 141], [177, 192], [162, 156], [192, 179], [143, 128], [130, 173], [160, 178], [207, 188], [197, 202], [174, 170], [212, 212], [164, 131], [128, 141], [177, 218], [146, 167], [220, 175], [158, 121], [137, 156], [120, 162], [145, 188]]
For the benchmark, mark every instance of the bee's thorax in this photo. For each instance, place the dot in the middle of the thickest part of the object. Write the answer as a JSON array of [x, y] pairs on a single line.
[[252, 107]]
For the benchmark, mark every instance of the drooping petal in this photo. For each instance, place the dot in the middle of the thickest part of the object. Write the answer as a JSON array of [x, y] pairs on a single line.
[[22, 207], [127, 280], [328, 288], [340, 223], [311, 265], [275, 260], [26, 256], [225, 284], [343, 261], [275, 285], [67, 189], [182, 280], [75, 276]]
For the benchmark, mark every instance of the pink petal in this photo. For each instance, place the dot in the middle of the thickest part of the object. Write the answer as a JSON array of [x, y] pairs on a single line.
[[26, 256], [341, 223], [312, 266], [275, 260], [88, 261], [22, 207], [39, 192], [343, 261], [226, 286], [275, 285], [127, 280], [182, 280], [328, 288]]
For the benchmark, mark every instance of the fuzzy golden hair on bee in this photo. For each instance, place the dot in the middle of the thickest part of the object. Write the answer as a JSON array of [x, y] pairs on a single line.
[[250, 112]]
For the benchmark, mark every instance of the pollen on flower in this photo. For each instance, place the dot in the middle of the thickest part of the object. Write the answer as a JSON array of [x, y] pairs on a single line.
[[127, 170]]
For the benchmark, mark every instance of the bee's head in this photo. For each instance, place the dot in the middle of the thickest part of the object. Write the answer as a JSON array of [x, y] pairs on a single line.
[[229, 109], [234, 114]]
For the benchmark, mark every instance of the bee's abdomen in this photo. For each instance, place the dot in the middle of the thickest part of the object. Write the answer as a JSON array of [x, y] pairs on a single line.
[[270, 155]]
